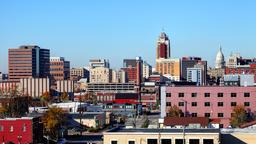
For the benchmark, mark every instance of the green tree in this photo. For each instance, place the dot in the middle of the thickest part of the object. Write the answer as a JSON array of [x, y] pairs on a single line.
[[239, 116], [174, 111], [52, 120]]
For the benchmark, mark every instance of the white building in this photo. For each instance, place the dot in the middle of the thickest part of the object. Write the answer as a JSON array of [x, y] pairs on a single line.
[[220, 61], [119, 76], [71, 107], [146, 70], [232, 61], [195, 75], [65, 86]]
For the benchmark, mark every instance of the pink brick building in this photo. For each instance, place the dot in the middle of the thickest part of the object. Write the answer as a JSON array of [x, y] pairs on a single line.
[[203, 101]]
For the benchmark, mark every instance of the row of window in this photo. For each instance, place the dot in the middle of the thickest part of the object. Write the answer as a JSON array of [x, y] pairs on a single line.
[[207, 104], [169, 141], [11, 128], [220, 115], [208, 94]]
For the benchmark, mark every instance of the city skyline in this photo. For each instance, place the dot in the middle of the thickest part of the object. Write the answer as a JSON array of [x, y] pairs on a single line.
[[119, 30]]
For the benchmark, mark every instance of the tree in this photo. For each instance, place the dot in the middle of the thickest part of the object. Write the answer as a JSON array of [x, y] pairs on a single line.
[[174, 111], [239, 116], [45, 98], [64, 96], [52, 120], [3, 111]]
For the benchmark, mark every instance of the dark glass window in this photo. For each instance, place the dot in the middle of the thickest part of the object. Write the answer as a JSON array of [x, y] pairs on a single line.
[[168, 94], [207, 114], [178, 141], [181, 94], [233, 103], [152, 141], [194, 95], [208, 141], [220, 94], [233, 94], [166, 141], [181, 103], [220, 104], [220, 115], [206, 94], [131, 142], [194, 141], [168, 103], [113, 142], [207, 104], [194, 114], [194, 104], [246, 94], [246, 103]]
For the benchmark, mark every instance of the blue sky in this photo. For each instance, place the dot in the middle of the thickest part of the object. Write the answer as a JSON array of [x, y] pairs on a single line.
[[115, 29]]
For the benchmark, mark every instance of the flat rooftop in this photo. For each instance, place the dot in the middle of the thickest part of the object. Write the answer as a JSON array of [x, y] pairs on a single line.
[[166, 130]]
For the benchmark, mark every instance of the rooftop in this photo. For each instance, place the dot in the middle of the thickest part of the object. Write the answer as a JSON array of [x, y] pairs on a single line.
[[171, 130]]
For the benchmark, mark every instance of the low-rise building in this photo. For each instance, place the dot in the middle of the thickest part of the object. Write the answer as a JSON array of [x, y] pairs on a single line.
[[163, 136], [21, 130], [91, 119]]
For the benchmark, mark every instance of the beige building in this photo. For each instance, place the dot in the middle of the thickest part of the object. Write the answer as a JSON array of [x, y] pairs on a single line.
[[119, 76], [34, 87], [169, 68], [100, 75], [65, 86], [162, 136]]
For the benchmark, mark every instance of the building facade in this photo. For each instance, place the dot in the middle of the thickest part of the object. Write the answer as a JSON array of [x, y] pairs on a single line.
[[34, 87], [195, 75], [78, 73], [133, 69], [65, 86], [163, 49], [169, 68], [28, 61], [59, 68], [205, 101], [21, 130], [147, 70], [94, 63], [119, 76], [100, 75]]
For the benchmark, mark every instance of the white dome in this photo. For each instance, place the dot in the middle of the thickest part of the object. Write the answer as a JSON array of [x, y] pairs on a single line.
[[220, 62]]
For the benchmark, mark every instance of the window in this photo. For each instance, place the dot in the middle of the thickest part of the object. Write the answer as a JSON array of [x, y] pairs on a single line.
[[233, 94], [194, 104], [194, 141], [220, 115], [194, 95], [178, 141], [194, 114], [114, 142], [166, 141], [24, 127], [11, 129], [181, 94], [168, 103], [220, 94], [206, 94], [246, 103], [208, 141], [233, 103], [131, 142], [246, 94], [152, 141], [220, 104], [168, 94], [207, 114], [181, 103], [207, 104]]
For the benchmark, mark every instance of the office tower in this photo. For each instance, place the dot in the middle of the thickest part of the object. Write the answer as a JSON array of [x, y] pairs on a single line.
[[78, 73], [169, 68], [93, 63], [163, 47], [133, 68], [147, 70], [195, 75], [28, 61], [59, 68], [119, 76], [100, 75]]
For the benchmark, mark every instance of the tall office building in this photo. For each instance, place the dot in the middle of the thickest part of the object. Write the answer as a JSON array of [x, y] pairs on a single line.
[[169, 68], [163, 47], [28, 61], [147, 70], [59, 68], [100, 75], [93, 63], [133, 68], [195, 75]]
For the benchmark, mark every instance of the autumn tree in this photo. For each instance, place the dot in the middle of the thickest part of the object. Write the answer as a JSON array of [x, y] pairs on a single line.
[[3, 111], [174, 111], [239, 116], [45, 98], [64, 96], [52, 120]]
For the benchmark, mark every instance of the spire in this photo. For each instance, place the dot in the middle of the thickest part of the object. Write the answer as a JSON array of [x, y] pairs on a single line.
[[220, 48]]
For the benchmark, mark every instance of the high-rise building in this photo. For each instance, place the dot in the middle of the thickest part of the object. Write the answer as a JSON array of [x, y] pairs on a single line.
[[100, 75], [93, 63], [59, 68], [163, 47], [133, 68], [147, 70], [220, 61], [195, 75], [119, 76], [78, 73], [169, 68], [28, 61]]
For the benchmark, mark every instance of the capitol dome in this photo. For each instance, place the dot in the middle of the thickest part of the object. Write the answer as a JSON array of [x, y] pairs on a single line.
[[219, 62]]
